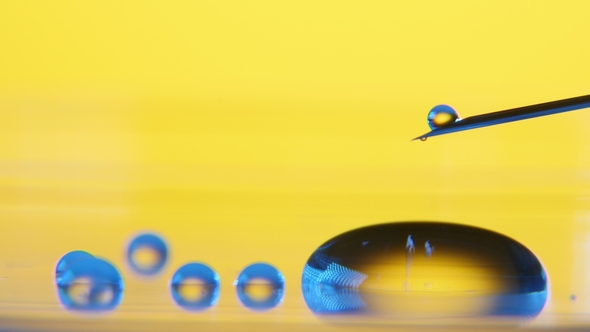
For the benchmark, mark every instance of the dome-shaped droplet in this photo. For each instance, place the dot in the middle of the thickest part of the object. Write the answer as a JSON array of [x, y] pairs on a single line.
[[147, 254], [69, 258], [260, 286], [424, 270], [91, 284], [442, 115], [195, 286]]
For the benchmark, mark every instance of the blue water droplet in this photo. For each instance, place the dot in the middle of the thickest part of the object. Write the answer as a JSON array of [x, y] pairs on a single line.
[[442, 115], [91, 284], [69, 258], [147, 254], [260, 286], [473, 273], [195, 286]]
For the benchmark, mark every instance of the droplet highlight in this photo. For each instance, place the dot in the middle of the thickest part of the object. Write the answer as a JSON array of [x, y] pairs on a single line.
[[428, 249], [392, 270], [147, 254], [442, 115], [260, 286], [69, 258], [195, 287], [91, 284]]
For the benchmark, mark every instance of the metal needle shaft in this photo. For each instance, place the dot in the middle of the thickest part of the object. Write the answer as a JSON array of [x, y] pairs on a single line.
[[514, 114]]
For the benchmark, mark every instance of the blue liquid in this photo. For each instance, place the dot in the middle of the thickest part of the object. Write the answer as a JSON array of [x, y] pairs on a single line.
[[424, 270], [90, 284], [195, 287], [68, 259], [147, 254], [441, 115], [260, 286]]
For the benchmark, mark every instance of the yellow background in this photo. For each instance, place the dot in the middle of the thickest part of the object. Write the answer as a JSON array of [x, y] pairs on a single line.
[[246, 131]]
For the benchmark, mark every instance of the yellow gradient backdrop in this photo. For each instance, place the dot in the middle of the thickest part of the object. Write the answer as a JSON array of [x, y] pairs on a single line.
[[247, 131]]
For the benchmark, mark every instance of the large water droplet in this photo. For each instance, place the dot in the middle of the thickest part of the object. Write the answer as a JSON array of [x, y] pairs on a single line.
[[90, 284], [442, 115], [393, 270], [147, 254], [69, 258], [260, 286], [195, 286]]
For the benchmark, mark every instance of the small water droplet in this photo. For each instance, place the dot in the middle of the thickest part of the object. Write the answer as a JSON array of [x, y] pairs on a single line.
[[423, 139], [442, 115], [91, 284], [195, 286], [260, 286], [69, 258], [147, 254], [474, 273]]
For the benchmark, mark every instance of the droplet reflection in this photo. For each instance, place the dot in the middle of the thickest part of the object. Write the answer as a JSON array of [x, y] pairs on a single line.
[[442, 115], [147, 254], [195, 287], [91, 284], [392, 270], [260, 286]]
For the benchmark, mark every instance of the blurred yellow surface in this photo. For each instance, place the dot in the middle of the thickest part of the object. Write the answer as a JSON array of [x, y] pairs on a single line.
[[247, 131]]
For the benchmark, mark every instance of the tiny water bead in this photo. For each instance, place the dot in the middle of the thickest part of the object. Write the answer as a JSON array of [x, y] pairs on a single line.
[[195, 286], [69, 258], [260, 286], [442, 115], [91, 284], [415, 270], [147, 254]]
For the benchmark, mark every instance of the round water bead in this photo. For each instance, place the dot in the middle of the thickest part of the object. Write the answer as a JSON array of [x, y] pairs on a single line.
[[442, 115], [69, 258], [260, 286], [195, 286], [415, 270], [91, 284], [147, 254]]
